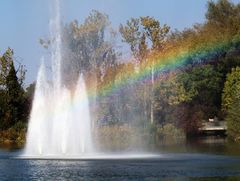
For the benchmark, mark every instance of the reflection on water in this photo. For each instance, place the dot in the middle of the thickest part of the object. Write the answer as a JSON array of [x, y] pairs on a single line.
[[199, 160], [168, 167], [209, 145]]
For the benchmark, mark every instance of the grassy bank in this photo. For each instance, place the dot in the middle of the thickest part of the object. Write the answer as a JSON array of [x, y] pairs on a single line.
[[15, 135]]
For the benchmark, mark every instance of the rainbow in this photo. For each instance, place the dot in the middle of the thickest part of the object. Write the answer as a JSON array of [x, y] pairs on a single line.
[[169, 60], [173, 59]]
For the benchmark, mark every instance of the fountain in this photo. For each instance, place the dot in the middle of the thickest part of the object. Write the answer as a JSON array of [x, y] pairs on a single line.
[[60, 124]]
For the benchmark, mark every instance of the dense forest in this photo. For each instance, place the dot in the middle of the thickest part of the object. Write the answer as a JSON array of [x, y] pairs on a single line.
[[174, 81]]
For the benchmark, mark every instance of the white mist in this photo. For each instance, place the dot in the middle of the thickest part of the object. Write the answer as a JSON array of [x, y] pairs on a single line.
[[60, 124]]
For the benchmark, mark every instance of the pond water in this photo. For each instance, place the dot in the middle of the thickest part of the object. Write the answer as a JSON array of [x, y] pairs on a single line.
[[200, 160]]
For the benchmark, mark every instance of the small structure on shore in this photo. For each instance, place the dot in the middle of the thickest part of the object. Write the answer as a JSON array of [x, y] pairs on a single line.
[[213, 127]]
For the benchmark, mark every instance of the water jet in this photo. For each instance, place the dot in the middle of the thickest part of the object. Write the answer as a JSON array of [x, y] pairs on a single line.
[[60, 123]]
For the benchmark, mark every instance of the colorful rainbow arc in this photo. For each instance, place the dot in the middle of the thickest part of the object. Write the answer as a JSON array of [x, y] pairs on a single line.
[[170, 60]]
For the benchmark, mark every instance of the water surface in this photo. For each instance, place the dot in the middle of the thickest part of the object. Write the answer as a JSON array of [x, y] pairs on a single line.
[[166, 167]]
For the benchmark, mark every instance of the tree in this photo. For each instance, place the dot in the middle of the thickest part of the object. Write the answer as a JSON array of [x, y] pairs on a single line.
[[169, 93], [231, 88], [204, 84], [29, 95], [139, 33], [233, 120], [189, 117], [224, 15], [155, 33], [231, 103], [87, 49], [5, 64], [15, 98], [3, 108], [11, 92]]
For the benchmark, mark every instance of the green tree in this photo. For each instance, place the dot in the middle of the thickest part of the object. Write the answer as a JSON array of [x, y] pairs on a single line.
[[231, 88], [28, 96], [233, 120], [204, 83], [5, 64], [231, 103], [207, 65], [12, 100], [15, 98], [3, 108], [169, 93]]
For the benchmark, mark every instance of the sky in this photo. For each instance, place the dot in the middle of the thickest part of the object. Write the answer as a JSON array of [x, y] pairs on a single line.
[[24, 22]]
